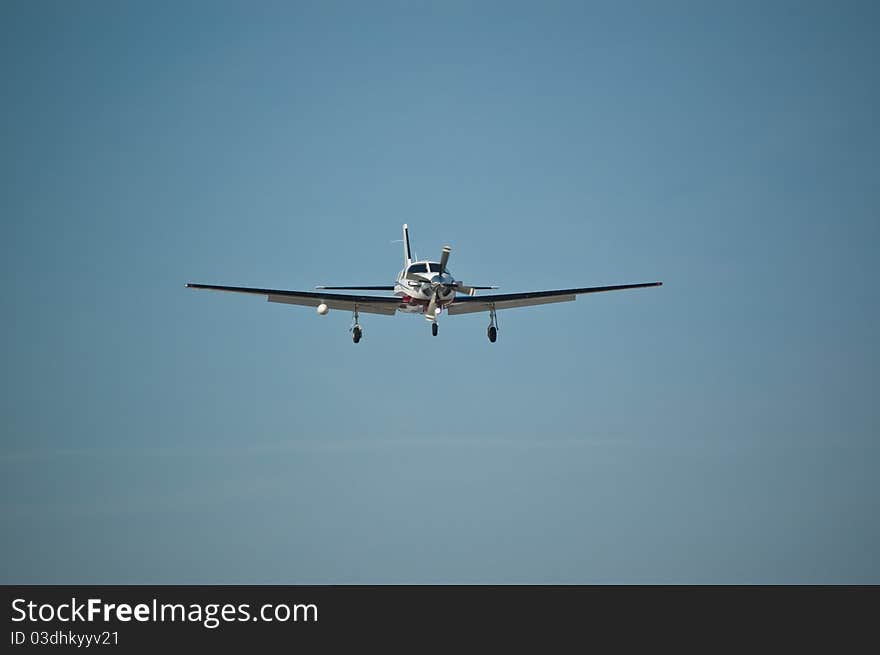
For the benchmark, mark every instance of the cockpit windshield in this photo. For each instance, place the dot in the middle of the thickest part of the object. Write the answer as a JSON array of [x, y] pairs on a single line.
[[430, 267]]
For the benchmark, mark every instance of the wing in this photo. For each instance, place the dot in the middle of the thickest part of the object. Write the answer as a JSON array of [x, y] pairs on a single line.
[[368, 304], [376, 288], [467, 305]]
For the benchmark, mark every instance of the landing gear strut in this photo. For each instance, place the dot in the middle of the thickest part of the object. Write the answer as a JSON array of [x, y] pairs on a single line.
[[434, 329], [492, 332], [356, 330]]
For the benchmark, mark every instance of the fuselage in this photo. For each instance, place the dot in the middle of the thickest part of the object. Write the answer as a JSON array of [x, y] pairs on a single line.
[[416, 283]]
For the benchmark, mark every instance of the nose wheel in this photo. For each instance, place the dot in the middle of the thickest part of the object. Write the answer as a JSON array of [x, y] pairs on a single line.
[[434, 329], [492, 331]]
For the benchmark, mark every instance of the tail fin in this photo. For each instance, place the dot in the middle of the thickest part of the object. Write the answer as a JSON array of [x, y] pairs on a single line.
[[407, 253]]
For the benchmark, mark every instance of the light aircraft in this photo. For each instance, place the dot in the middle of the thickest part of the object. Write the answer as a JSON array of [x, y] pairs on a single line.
[[422, 287]]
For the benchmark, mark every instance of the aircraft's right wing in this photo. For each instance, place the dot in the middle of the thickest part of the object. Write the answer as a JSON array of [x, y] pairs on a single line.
[[467, 305], [373, 288], [367, 304]]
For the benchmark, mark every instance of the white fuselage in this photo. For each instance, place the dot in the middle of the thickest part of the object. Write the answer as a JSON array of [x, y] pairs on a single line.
[[416, 283]]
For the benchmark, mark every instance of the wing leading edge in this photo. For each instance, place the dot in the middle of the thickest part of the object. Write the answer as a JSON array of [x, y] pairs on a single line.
[[368, 304], [468, 305]]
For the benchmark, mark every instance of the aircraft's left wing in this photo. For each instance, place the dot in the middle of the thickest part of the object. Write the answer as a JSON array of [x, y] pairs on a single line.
[[467, 305], [368, 304]]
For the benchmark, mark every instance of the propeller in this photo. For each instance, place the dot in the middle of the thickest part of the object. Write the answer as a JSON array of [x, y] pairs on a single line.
[[431, 312], [438, 283], [444, 259]]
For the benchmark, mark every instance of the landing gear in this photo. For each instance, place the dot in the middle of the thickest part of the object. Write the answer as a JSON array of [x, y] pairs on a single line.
[[492, 332], [434, 329], [356, 330]]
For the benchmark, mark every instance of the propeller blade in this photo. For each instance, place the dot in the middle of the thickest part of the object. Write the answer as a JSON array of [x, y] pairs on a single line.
[[469, 290], [444, 259], [431, 312]]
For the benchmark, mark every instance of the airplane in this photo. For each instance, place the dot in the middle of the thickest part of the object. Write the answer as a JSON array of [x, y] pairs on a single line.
[[422, 287]]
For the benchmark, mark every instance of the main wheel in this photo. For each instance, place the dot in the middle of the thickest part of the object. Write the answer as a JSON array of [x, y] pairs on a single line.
[[493, 333], [434, 329], [356, 334]]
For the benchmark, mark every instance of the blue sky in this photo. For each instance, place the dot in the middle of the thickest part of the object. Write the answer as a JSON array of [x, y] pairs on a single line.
[[721, 429]]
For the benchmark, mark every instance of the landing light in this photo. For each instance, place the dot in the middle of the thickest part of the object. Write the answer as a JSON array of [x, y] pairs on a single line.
[[323, 309]]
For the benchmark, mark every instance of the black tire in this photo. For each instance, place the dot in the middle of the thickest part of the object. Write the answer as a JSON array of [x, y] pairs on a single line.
[[493, 333], [356, 334], [434, 329]]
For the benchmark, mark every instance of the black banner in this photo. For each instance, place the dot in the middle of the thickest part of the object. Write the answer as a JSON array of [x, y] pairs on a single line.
[[151, 618]]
